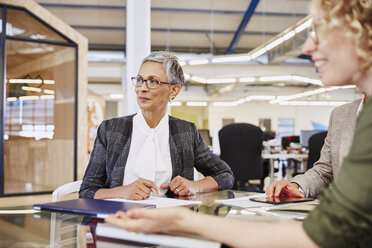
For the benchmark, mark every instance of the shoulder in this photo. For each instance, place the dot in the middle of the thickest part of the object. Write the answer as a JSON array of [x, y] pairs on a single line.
[[179, 126], [347, 109], [118, 123]]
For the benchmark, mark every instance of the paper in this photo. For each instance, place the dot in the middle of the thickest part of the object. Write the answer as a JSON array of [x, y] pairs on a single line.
[[161, 202], [187, 241]]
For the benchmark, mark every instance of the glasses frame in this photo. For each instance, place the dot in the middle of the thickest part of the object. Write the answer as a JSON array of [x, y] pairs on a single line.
[[136, 80], [313, 33]]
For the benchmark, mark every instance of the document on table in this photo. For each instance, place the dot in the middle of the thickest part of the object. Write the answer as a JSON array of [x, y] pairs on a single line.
[[172, 240], [161, 202]]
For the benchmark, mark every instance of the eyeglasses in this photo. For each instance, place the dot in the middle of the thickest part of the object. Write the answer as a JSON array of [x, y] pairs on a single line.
[[313, 33], [151, 84]]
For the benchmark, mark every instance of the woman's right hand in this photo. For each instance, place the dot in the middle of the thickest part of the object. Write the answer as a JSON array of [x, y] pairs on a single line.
[[283, 187], [138, 190]]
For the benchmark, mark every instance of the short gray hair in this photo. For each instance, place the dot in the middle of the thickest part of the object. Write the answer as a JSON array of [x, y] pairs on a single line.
[[169, 61]]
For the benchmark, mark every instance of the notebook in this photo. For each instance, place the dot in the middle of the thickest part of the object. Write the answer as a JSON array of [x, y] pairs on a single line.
[[98, 208]]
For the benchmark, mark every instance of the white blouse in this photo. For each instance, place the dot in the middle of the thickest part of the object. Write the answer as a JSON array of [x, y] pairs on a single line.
[[149, 153]]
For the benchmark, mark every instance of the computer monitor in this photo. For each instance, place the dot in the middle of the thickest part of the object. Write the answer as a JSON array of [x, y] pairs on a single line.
[[305, 136]]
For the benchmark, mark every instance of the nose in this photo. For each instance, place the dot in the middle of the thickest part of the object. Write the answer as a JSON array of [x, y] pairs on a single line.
[[309, 47], [143, 87]]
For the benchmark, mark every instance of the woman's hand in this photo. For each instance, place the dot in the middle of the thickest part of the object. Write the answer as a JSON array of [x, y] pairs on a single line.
[[138, 190], [181, 186], [150, 220], [283, 187]]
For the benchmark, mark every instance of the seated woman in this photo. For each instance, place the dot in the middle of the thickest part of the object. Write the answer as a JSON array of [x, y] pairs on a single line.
[[152, 151], [340, 43]]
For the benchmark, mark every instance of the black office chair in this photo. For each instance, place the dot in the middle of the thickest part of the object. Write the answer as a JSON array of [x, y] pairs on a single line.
[[241, 147], [316, 143]]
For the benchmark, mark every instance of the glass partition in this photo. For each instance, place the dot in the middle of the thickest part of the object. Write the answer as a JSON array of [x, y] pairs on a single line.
[[22, 24], [39, 107]]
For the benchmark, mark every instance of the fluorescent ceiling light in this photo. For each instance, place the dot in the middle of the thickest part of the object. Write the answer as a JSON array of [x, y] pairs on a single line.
[[174, 104], [275, 78], [47, 97], [199, 79], [24, 98], [11, 99], [299, 103], [258, 53], [337, 103], [263, 97], [182, 63], [187, 76], [304, 25], [198, 62], [231, 59], [33, 89], [116, 96], [319, 103], [348, 87], [275, 43], [225, 104], [289, 35], [48, 81], [25, 81], [221, 80], [247, 79], [49, 91], [199, 104]]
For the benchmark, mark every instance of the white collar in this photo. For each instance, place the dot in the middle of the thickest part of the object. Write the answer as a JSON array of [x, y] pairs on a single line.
[[361, 104]]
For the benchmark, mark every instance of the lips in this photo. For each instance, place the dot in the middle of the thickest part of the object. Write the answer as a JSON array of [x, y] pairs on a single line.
[[143, 99]]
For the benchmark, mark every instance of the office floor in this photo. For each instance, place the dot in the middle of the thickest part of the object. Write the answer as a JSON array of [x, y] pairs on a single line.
[[29, 200]]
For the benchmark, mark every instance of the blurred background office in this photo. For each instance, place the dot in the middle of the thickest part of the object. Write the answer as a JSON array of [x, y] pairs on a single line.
[[242, 61]]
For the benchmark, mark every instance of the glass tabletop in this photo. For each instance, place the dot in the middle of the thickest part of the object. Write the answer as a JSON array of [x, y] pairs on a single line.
[[23, 227]]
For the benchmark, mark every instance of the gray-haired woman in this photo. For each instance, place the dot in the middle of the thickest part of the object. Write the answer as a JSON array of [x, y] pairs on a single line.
[[152, 151]]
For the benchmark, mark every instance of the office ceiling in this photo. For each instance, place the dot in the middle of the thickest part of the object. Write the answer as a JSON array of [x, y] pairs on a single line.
[[199, 28], [196, 26]]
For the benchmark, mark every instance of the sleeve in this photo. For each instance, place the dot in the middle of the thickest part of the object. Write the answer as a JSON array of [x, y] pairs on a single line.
[[95, 174], [344, 215], [209, 164], [316, 179]]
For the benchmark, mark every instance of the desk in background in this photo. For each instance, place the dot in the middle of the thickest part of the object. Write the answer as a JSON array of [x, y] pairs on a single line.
[[276, 156]]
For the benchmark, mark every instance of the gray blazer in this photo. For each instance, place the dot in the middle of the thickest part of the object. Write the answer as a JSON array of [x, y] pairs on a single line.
[[187, 148], [336, 146]]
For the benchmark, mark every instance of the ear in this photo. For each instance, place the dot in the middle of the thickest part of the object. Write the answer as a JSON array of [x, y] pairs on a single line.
[[175, 89]]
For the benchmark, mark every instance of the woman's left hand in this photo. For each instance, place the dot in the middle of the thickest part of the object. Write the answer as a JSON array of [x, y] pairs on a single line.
[[181, 186]]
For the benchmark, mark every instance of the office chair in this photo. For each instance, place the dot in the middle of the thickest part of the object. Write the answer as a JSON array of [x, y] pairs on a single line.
[[241, 147], [316, 143]]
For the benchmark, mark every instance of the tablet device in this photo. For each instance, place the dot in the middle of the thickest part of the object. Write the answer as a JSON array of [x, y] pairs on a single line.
[[281, 199], [95, 207]]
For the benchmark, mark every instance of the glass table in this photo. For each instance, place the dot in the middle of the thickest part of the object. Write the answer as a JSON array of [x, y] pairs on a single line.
[[23, 227]]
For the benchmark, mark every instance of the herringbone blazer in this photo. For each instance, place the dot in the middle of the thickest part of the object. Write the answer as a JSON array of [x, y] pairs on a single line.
[[187, 148]]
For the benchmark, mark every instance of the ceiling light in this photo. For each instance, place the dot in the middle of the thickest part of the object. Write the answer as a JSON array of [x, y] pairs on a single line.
[[263, 97], [182, 63], [187, 76], [231, 59], [275, 43], [49, 91], [198, 104], [258, 53], [337, 103], [198, 62], [289, 35], [299, 103], [318, 103], [304, 25], [48, 81], [221, 80], [25, 81], [175, 104], [275, 78], [47, 97], [33, 89], [225, 104], [348, 87], [116, 96], [24, 98], [199, 79], [247, 79], [11, 99]]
